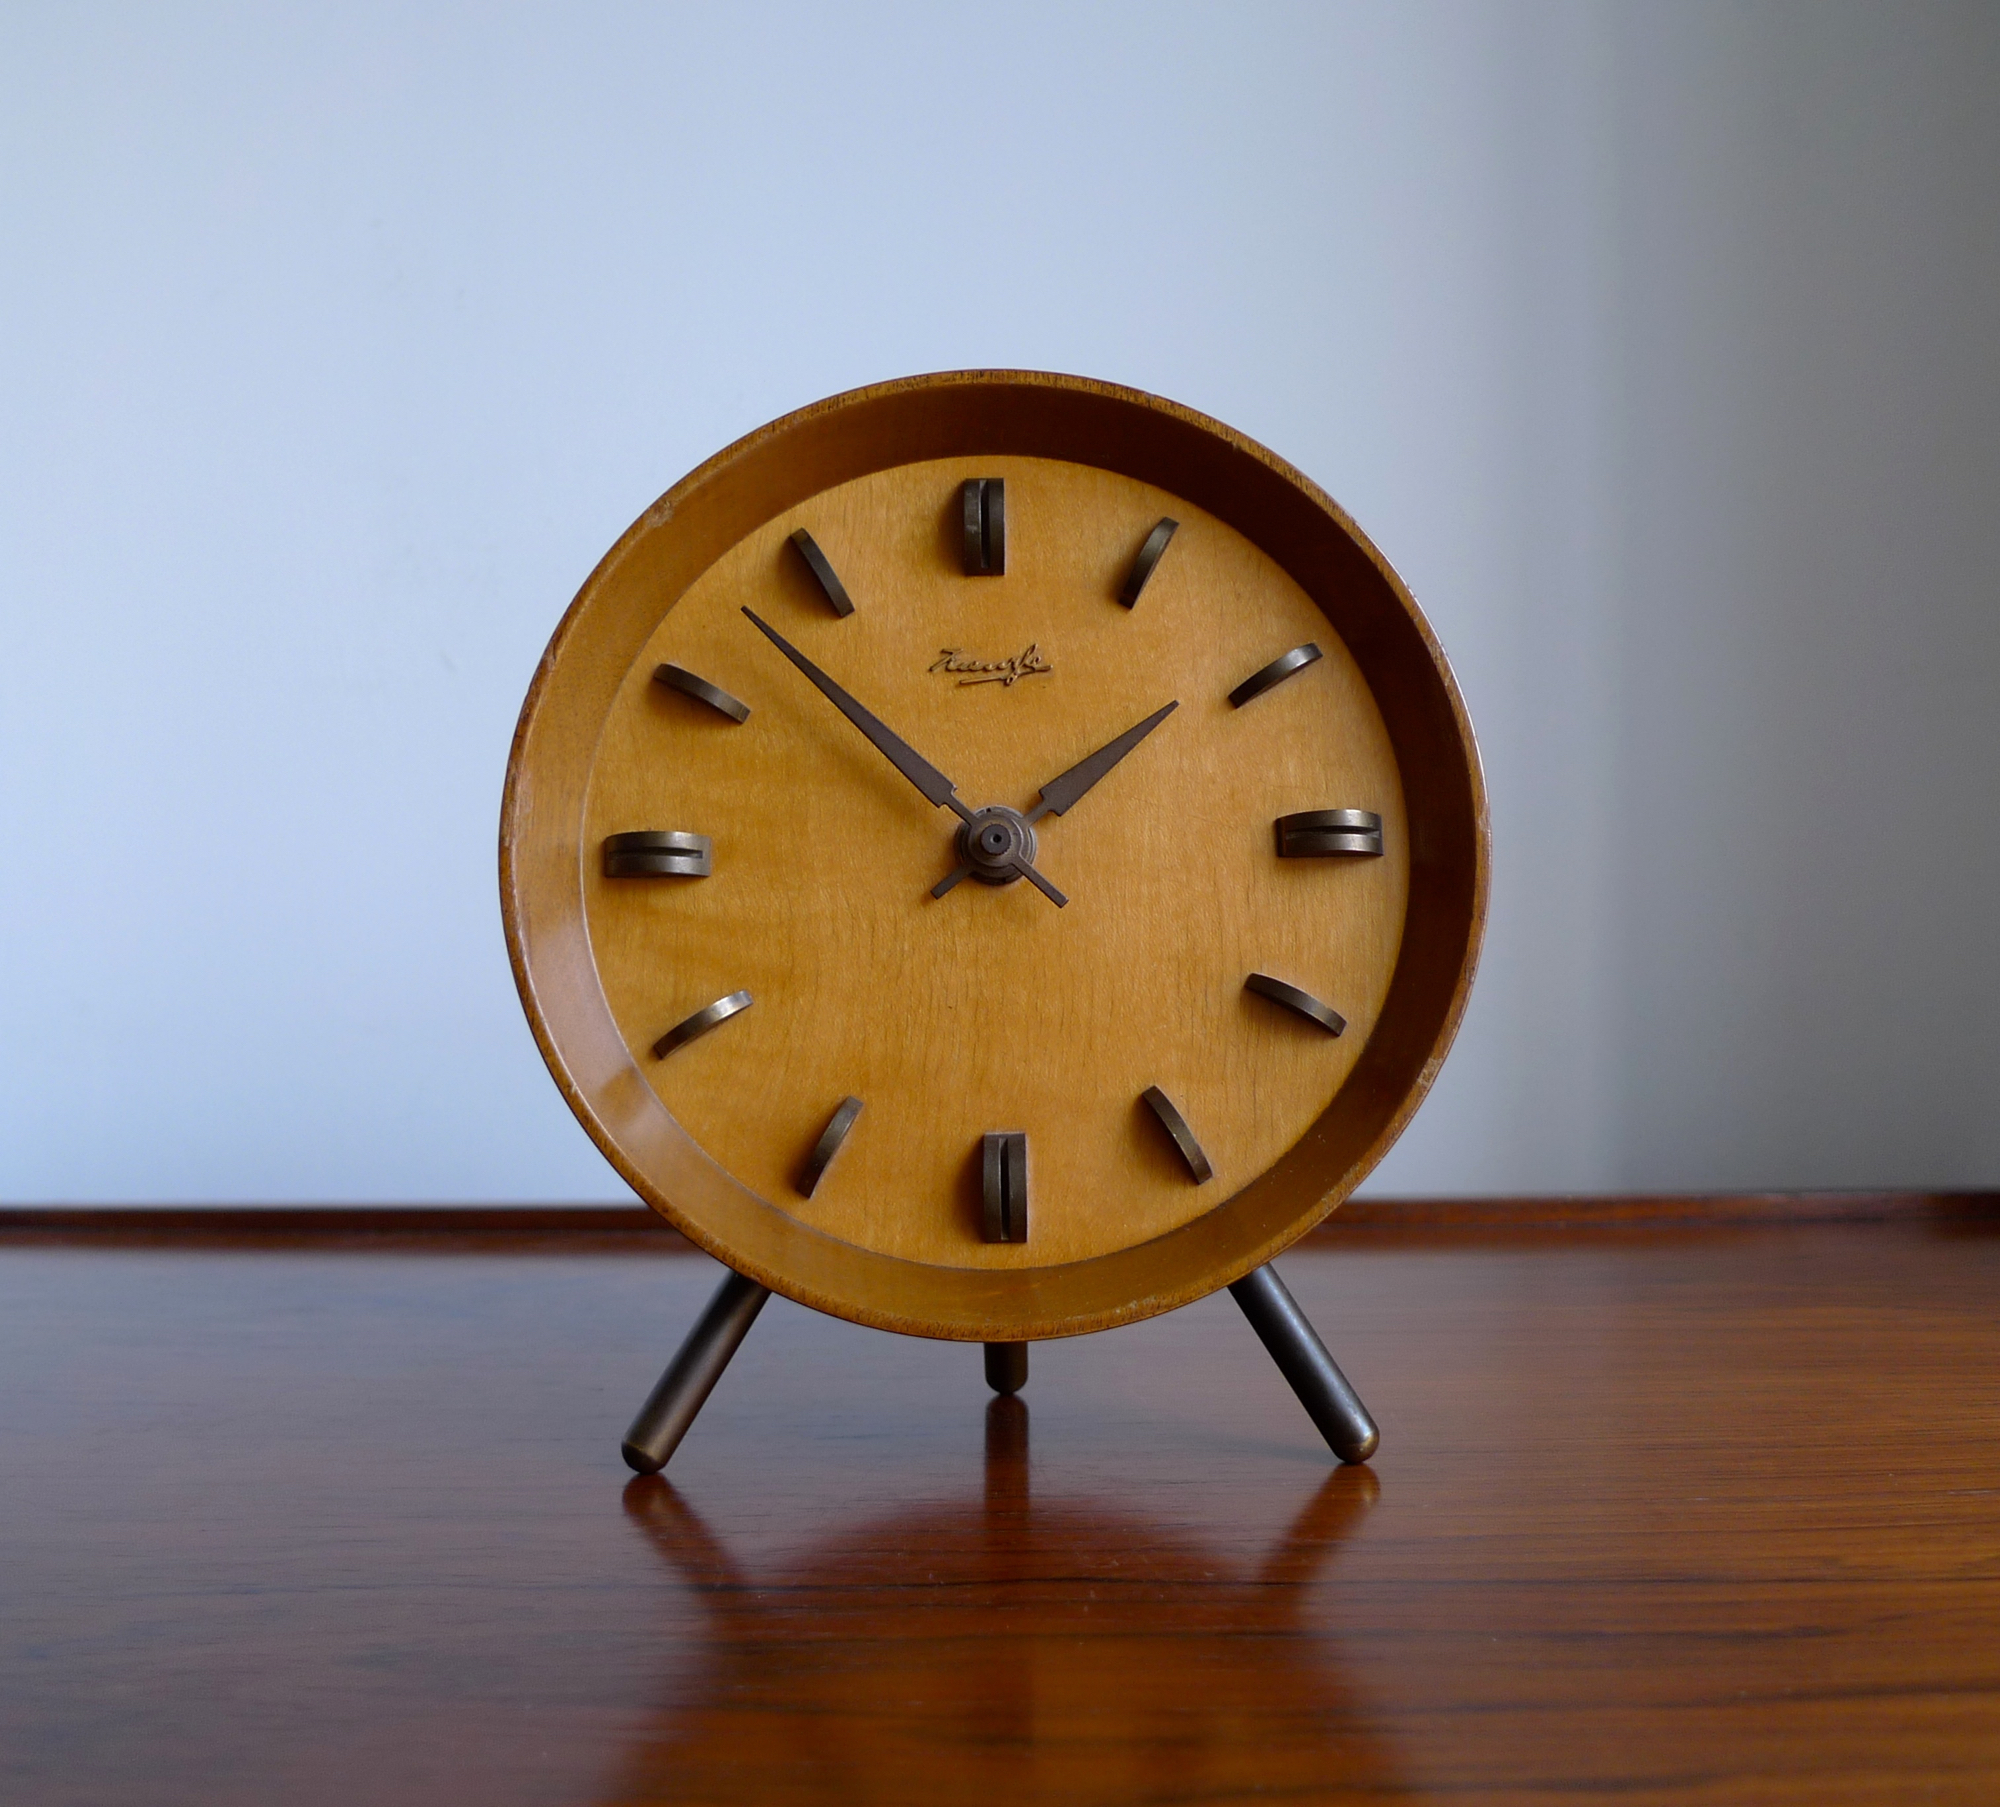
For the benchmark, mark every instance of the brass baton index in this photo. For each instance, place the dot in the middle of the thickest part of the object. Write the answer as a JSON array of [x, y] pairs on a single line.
[[983, 507], [1004, 1176], [676, 677], [1149, 556], [658, 853], [1292, 998], [829, 1144], [1285, 665], [1176, 1126], [823, 573], [691, 1028], [1321, 833]]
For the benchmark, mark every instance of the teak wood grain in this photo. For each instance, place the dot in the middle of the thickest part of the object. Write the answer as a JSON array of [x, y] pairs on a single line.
[[985, 1010], [1682, 1515]]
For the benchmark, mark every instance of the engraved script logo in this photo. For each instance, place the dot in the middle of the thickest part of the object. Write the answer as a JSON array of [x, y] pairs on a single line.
[[956, 662]]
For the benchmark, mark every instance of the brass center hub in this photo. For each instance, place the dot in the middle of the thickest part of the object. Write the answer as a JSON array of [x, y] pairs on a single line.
[[994, 843]]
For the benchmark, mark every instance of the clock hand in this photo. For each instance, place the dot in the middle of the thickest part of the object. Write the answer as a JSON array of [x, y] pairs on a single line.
[[1026, 868], [1062, 794], [938, 790], [936, 787]]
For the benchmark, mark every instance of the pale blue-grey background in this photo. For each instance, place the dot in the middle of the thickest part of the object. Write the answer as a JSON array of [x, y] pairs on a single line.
[[1659, 345]]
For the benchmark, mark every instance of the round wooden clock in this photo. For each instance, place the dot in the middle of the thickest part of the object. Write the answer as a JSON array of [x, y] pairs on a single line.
[[994, 856]]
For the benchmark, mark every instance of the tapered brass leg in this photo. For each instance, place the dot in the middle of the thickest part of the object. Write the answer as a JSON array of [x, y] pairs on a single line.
[[1333, 1406], [664, 1419]]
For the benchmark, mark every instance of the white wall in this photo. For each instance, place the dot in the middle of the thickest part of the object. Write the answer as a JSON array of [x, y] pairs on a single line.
[[1658, 345], [1808, 877]]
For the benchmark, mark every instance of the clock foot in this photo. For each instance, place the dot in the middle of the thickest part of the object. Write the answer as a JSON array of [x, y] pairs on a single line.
[[1006, 1367], [671, 1407], [1333, 1406]]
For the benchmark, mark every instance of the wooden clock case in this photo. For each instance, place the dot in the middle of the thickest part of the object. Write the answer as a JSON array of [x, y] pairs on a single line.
[[545, 852]]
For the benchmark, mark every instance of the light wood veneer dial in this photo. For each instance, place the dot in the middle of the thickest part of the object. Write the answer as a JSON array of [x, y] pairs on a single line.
[[986, 1006]]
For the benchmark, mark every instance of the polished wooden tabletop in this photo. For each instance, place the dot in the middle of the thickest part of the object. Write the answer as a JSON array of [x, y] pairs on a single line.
[[1689, 1512]]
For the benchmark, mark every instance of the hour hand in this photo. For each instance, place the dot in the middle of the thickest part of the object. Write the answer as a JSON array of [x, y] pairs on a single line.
[[936, 787], [1060, 794], [1063, 793]]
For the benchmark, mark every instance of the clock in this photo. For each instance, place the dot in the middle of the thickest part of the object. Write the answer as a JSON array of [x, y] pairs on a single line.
[[993, 856]]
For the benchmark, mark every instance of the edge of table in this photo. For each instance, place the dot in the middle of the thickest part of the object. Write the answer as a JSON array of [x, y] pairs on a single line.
[[634, 1229]]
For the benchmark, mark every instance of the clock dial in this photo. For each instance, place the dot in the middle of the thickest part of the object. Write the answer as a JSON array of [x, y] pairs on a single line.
[[1033, 754], [951, 1012]]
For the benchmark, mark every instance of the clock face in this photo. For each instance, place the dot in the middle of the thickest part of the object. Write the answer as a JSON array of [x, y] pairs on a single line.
[[983, 891], [991, 1009]]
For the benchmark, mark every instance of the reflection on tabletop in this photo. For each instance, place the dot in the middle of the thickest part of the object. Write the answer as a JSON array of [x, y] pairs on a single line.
[[992, 1646]]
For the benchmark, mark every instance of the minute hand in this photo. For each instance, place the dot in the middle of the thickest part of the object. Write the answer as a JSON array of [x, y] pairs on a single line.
[[1062, 793], [936, 787]]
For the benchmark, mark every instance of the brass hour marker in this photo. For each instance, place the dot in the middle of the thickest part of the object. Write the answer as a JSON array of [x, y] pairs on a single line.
[[1004, 1170], [1293, 998], [984, 501], [718, 699], [828, 578], [656, 853], [1319, 833], [1149, 556], [703, 1020], [1177, 1126], [828, 1145], [1279, 669]]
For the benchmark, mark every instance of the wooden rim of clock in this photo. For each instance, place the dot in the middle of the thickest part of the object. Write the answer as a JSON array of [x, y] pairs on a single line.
[[543, 856]]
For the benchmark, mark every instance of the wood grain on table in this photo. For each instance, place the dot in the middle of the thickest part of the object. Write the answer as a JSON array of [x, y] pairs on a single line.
[[1681, 1513]]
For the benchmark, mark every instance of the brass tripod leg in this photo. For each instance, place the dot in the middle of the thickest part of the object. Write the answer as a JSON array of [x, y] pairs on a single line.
[[1333, 1406], [1006, 1367], [664, 1419]]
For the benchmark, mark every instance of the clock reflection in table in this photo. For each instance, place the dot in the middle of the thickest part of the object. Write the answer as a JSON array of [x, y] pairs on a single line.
[[995, 1646]]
